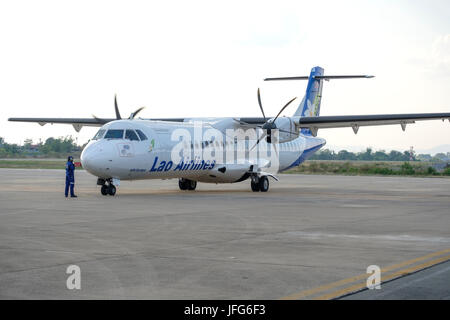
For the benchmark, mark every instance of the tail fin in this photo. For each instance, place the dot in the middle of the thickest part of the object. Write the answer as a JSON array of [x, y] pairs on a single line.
[[310, 105]]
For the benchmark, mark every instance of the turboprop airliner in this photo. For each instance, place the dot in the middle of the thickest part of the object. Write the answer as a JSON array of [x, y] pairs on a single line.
[[217, 150]]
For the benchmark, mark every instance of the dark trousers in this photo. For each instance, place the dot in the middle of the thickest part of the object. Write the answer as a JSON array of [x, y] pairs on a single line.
[[69, 184]]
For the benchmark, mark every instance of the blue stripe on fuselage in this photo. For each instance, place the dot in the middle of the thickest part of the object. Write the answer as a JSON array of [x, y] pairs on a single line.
[[304, 156]]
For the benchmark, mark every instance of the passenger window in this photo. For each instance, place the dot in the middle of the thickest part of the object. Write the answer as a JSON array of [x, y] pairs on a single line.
[[114, 134], [141, 135], [131, 135], [99, 134]]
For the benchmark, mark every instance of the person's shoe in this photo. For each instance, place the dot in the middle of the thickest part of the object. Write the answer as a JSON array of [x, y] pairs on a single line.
[[74, 196]]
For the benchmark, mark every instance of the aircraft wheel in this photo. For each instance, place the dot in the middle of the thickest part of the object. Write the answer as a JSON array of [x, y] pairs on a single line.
[[191, 184], [104, 190], [255, 186], [182, 183], [111, 190], [263, 184]]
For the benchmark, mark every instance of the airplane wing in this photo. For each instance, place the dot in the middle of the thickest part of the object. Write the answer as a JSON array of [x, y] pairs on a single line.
[[356, 121], [78, 123], [312, 123]]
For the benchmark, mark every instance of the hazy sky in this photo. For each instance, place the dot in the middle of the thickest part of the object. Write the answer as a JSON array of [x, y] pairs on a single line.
[[207, 58]]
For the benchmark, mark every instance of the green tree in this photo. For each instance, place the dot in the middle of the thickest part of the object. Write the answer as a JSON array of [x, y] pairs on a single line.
[[380, 156], [324, 155], [365, 156], [60, 145], [345, 155], [396, 156], [447, 171], [441, 156]]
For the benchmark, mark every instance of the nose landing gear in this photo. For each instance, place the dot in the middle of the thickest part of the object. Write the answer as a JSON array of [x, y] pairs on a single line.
[[107, 187]]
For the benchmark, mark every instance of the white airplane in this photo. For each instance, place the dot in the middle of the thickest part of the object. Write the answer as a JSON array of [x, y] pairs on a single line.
[[216, 150]]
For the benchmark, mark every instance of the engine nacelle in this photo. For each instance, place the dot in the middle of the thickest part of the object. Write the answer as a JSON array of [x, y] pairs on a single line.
[[287, 130]]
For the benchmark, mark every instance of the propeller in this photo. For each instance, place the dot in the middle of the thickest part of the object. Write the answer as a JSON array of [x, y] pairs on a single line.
[[118, 116], [260, 104], [116, 107], [270, 124], [134, 114], [100, 120]]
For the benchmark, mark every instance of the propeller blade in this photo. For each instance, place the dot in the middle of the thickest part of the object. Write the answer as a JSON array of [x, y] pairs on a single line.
[[276, 150], [118, 117], [100, 120], [282, 109], [134, 114], [260, 105], [259, 140]]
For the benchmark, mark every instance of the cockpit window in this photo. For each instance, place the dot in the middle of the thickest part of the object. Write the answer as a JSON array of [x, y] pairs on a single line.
[[131, 135], [141, 135], [114, 134], [99, 134]]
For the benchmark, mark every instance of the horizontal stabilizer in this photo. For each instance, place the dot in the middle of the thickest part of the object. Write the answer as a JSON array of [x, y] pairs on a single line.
[[321, 77]]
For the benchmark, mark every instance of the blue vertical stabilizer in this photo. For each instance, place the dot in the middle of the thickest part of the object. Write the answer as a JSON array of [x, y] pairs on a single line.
[[310, 105]]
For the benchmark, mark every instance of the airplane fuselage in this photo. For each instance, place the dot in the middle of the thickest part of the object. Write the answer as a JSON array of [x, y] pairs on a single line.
[[205, 154]]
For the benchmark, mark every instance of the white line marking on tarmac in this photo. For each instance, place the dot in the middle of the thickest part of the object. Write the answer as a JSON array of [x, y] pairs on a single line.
[[387, 237]]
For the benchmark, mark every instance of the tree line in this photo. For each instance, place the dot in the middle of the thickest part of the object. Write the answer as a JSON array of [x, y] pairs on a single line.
[[52, 147], [368, 155], [381, 155]]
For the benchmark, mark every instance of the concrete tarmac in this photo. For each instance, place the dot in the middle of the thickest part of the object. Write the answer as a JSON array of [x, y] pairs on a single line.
[[309, 237]]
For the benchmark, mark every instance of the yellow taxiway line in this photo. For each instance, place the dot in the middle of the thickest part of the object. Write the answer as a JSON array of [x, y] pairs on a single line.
[[359, 286]]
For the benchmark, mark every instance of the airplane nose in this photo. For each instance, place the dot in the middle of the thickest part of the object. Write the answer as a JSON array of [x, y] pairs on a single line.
[[91, 159], [98, 158], [86, 158]]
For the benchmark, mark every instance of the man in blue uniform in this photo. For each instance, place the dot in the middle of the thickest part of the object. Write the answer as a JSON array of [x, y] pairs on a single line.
[[70, 177]]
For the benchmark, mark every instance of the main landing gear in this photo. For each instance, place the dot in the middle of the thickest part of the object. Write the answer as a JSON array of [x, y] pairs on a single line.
[[186, 184], [107, 187], [259, 183]]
